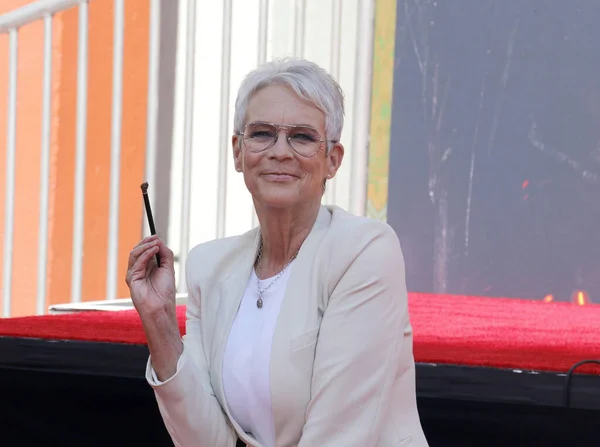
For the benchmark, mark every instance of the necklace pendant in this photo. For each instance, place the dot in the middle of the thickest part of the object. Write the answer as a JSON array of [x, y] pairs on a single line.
[[259, 303]]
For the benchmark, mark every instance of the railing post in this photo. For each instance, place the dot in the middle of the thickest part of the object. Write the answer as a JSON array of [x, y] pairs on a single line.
[[334, 69], [11, 149], [115, 152], [152, 104], [40, 305], [80, 149], [299, 27], [224, 119], [263, 34], [188, 140], [362, 101]]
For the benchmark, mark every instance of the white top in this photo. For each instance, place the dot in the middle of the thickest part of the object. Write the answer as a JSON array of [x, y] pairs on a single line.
[[246, 372]]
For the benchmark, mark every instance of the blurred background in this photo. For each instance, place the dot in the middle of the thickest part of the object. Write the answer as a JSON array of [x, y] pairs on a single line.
[[471, 127], [495, 148], [98, 96]]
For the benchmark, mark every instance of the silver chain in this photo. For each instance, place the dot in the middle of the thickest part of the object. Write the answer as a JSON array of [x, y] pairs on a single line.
[[259, 301]]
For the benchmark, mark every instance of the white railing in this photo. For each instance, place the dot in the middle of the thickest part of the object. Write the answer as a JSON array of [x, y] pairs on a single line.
[[208, 37], [226, 39], [10, 23], [11, 150], [80, 153]]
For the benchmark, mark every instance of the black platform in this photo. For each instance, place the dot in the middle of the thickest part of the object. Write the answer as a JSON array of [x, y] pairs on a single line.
[[67, 393]]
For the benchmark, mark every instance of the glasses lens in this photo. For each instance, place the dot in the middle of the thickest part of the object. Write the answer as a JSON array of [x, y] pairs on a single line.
[[259, 136], [305, 140]]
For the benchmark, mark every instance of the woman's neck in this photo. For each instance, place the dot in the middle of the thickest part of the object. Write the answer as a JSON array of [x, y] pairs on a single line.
[[283, 232]]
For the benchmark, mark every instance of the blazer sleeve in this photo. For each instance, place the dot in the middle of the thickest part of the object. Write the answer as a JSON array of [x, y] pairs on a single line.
[[188, 405], [360, 345]]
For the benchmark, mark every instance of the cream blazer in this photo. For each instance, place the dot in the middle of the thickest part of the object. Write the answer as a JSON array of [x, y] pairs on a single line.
[[342, 371]]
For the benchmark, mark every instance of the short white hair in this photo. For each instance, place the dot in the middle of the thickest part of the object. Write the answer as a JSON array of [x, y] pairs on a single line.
[[307, 79]]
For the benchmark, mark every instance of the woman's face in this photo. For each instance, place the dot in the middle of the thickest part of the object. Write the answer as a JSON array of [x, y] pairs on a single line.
[[279, 177]]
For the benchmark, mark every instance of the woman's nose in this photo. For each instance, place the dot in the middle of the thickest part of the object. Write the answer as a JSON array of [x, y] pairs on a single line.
[[282, 147]]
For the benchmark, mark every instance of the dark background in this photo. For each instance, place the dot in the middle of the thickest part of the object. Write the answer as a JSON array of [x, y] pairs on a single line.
[[494, 185], [57, 393]]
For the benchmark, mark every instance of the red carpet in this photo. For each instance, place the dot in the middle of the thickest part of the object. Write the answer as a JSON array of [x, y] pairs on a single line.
[[504, 333]]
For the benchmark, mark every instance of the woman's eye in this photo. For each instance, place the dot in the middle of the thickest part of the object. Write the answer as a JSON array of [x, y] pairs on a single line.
[[304, 137], [261, 134]]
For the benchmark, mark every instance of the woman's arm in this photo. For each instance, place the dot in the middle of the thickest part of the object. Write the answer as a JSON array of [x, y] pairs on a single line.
[[164, 342], [360, 346], [186, 400], [176, 369]]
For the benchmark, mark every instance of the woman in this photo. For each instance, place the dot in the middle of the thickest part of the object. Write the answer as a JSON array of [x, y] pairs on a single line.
[[297, 332]]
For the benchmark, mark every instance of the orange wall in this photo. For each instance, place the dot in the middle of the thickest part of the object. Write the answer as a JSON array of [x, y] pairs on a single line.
[[63, 149]]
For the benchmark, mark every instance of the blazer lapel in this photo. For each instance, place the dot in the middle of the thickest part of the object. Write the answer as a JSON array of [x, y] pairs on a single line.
[[231, 291], [293, 314], [297, 315]]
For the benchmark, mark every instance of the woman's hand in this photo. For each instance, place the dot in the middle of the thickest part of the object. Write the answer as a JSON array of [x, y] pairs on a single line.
[[152, 289], [152, 286]]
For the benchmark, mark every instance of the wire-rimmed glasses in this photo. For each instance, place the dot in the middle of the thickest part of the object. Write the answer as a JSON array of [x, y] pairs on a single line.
[[259, 136]]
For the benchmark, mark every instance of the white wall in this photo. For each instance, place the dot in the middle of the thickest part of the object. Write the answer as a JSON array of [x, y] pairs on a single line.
[[325, 31]]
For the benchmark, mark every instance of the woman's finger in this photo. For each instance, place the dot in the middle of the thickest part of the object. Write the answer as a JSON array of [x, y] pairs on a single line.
[[139, 270], [138, 250], [140, 266], [145, 241], [167, 259]]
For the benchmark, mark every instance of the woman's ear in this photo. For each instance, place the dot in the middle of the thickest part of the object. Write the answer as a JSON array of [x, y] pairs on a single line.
[[236, 145], [334, 159]]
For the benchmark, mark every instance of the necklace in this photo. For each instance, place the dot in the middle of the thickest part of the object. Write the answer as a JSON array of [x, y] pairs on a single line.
[[259, 301]]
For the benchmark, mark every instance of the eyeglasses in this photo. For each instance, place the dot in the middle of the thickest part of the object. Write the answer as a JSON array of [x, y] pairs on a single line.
[[304, 140]]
